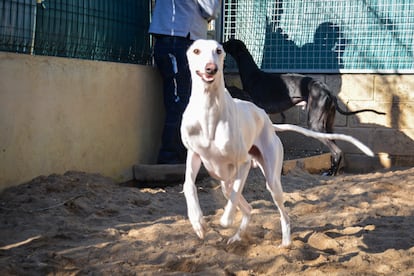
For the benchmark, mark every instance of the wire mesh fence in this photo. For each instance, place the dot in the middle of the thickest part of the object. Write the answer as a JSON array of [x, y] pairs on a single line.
[[110, 30], [324, 36]]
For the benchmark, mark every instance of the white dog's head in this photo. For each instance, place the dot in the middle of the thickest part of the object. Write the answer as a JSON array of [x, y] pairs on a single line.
[[205, 59]]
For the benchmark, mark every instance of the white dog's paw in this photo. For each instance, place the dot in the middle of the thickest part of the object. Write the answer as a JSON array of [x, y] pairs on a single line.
[[199, 227], [285, 243], [235, 238]]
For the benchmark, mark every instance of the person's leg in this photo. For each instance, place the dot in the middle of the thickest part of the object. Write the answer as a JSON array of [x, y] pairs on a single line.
[[170, 57]]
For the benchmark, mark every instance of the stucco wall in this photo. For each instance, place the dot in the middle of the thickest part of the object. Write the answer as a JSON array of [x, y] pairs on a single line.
[[391, 136], [59, 114]]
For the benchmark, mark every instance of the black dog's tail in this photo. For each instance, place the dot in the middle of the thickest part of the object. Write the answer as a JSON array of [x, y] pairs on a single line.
[[347, 113]]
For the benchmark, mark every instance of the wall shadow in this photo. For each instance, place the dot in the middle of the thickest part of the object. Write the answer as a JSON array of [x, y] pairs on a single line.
[[324, 52]]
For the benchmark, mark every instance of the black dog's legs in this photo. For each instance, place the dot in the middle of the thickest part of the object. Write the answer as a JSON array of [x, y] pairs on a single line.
[[321, 117], [336, 152], [283, 117], [336, 157]]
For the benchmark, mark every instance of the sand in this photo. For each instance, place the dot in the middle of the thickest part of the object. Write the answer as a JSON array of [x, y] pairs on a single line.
[[86, 224]]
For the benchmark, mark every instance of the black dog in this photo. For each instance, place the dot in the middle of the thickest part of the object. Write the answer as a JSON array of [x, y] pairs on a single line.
[[276, 93]]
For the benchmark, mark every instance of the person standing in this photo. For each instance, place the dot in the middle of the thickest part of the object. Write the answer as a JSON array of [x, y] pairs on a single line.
[[175, 25]]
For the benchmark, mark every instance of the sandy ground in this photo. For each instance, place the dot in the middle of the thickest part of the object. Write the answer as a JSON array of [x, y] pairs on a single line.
[[78, 224]]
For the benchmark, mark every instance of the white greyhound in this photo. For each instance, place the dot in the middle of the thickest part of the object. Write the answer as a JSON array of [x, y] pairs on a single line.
[[226, 135]]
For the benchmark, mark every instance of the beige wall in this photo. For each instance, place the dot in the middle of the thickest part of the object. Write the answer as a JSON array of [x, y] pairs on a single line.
[[59, 114], [390, 136]]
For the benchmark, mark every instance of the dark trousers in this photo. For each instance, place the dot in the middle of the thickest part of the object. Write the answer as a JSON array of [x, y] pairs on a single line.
[[171, 60]]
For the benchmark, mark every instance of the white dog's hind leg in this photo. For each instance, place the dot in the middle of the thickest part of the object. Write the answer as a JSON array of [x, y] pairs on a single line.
[[237, 200], [244, 207], [234, 195], [271, 167], [277, 195], [246, 210], [275, 189], [195, 214]]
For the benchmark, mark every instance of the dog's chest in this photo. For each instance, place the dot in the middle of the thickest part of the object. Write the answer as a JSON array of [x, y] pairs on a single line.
[[210, 138], [207, 139]]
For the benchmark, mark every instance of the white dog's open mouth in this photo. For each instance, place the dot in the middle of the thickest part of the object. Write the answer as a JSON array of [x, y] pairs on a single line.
[[208, 78]]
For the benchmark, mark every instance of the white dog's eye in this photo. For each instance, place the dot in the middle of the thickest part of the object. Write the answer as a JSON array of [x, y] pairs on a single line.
[[196, 51], [219, 51]]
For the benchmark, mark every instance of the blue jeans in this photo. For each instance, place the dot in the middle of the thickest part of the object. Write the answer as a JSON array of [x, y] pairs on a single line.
[[171, 60]]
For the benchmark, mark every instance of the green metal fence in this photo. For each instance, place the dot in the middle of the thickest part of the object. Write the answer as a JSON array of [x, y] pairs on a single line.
[[110, 30], [283, 35], [17, 21], [325, 36]]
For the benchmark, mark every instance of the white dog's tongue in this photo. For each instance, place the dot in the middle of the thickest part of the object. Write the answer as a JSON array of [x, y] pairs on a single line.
[[206, 77]]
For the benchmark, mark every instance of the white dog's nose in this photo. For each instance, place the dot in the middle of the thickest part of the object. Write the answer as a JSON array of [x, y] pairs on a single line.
[[211, 68]]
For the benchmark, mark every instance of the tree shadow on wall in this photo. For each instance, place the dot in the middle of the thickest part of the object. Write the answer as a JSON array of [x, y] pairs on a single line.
[[323, 53]]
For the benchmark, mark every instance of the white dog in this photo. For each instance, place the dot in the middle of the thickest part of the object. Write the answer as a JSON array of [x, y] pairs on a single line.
[[226, 135]]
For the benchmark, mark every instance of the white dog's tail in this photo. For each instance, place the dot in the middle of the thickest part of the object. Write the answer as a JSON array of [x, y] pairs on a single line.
[[319, 135]]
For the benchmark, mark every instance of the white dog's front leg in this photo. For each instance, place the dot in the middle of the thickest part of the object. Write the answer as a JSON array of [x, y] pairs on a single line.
[[195, 214]]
